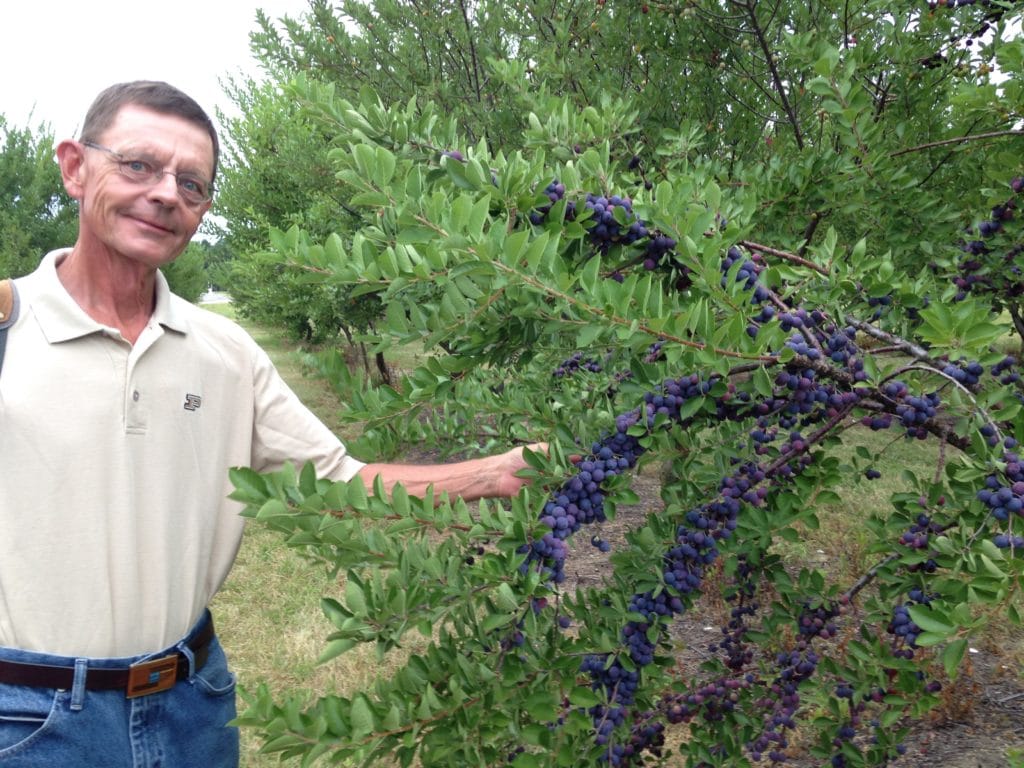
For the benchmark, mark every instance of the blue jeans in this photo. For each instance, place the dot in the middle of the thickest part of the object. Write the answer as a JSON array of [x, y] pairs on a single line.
[[182, 727]]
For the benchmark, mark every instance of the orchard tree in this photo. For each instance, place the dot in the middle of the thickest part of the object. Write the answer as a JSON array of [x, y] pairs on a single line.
[[186, 275], [900, 125], [36, 214], [671, 319], [276, 170], [739, 236], [277, 174], [443, 52], [217, 260]]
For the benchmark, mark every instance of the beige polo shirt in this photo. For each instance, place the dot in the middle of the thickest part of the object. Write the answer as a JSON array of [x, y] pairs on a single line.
[[115, 527]]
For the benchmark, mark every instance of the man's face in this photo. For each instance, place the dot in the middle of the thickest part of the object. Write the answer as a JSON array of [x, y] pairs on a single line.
[[146, 222]]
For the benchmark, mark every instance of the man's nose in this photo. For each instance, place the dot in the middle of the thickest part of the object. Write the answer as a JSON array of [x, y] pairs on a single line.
[[165, 187]]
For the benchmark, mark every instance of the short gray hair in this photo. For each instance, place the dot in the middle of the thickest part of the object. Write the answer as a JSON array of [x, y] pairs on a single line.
[[152, 94]]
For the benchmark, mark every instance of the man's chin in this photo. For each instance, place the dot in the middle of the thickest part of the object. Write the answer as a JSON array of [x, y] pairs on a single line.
[[151, 255]]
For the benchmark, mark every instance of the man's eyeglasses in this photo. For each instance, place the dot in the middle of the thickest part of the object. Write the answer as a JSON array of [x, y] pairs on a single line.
[[193, 189]]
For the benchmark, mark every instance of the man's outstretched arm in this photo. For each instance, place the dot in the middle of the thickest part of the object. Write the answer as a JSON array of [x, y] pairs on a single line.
[[486, 477]]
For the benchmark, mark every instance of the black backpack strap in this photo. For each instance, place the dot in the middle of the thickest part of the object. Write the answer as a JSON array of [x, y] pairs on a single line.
[[8, 313]]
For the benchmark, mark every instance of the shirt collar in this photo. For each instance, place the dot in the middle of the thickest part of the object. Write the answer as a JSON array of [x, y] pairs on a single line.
[[60, 317]]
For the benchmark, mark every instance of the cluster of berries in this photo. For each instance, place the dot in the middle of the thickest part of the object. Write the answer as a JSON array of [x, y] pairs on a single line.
[[918, 536], [747, 273], [976, 272], [902, 627], [610, 221], [966, 373], [1004, 494], [1006, 370], [575, 363], [915, 412]]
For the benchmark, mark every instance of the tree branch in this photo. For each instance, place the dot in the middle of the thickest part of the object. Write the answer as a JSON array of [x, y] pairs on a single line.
[[786, 256], [474, 75], [944, 142], [776, 77], [812, 226]]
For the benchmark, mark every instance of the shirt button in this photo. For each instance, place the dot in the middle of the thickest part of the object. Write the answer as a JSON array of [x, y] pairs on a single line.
[[135, 395]]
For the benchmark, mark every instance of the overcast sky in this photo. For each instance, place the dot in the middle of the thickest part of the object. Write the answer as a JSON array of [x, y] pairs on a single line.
[[56, 55]]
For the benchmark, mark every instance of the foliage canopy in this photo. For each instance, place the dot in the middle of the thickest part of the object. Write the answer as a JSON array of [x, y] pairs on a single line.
[[717, 238], [36, 214]]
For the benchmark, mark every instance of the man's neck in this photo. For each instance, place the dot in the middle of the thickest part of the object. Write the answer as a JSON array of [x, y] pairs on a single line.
[[112, 290]]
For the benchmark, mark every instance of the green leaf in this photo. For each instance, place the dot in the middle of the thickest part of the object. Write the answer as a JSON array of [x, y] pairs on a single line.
[[334, 649], [370, 199], [457, 173], [927, 639], [891, 716], [930, 620], [356, 496], [583, 697], [990, 566], [361, 717], [820, 86], [493, 621], [542, 706], [504, 598], [828, 497], [355, 598], [527, 760], [416, 234], [385, 162], [982, 334], [365, 159], [952, 655], [336, 613], [475, 173], [591, 274], [248, 483], [478, 217], [272, 508], [825, 65]]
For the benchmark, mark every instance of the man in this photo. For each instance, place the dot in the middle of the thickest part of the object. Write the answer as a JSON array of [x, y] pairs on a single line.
[[121, 409]]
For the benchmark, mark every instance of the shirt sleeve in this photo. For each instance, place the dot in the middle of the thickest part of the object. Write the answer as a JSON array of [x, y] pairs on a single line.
[[285, 430]]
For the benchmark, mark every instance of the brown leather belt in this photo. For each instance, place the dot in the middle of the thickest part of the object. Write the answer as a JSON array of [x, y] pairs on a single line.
[[139, 679]]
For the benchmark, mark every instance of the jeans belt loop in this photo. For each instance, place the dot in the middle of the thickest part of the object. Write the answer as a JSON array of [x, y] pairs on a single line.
[[78, 685], [185, 651]]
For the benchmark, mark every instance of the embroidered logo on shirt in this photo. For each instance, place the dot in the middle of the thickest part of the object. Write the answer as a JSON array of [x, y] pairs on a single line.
[[192, 402]]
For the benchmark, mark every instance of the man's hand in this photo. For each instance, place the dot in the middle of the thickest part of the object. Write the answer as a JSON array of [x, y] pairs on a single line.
[[507, 467]]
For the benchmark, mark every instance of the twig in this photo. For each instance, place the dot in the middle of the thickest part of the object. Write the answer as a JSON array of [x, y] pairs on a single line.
[[785, 255], [812, 226], [944, 142], [868, 577], [902, 344], [773, 68]]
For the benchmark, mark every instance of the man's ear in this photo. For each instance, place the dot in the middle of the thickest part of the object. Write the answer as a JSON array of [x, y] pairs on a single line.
[[71, 159]]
